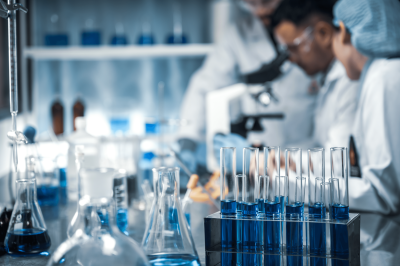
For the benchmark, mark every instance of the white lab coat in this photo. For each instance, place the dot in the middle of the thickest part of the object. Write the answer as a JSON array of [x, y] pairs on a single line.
[[377, 139], [243, 50]]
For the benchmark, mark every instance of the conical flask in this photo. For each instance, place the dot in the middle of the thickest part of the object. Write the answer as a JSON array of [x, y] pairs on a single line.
[[27, 232], [105, 245], [168, 240]]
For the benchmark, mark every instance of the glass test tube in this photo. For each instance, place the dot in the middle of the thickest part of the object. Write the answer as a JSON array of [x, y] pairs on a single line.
[[228, 180], [295, 205], [252, 228], [272, 171], [316, 200], [339, 208], [339, 183], [228, 204], [316, 180]]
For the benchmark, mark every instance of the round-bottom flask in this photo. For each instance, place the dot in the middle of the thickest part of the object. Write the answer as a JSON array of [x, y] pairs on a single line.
[[101, 242], [27, 232], [168, 240]]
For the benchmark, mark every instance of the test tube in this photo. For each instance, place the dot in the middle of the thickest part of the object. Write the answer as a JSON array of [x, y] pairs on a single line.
[[239, 194], [228, 204], [339, 209], [339, 183], [316, 179], [228, 180], [263, 184], [252, 228], [316, 200], [295, 184], [295, 205]]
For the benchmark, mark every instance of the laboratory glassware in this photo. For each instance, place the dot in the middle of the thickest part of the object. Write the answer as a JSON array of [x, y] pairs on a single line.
[[295, 205], [121, 199], [48, 181], [167, 239], [5, 217], [95, 183], [177, 37], [27, 232], [251, 228], [339, 207], [9, 11], [228, 203], [316, 204], [105, 245], [57, 115], [272, 165]]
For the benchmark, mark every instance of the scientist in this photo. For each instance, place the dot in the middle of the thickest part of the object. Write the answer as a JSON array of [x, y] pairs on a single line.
[[248, 45], [305, 29], [368, 45]]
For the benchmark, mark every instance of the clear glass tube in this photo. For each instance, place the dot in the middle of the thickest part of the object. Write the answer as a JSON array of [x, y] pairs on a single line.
[[272, 163], [239, 193], [228, 180], [250, 173], [293, 170], [263, 185], [339, 183]]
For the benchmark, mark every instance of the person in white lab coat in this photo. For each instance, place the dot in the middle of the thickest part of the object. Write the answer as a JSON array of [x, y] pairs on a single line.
[[368, 45], [246, 46], [305, 29]]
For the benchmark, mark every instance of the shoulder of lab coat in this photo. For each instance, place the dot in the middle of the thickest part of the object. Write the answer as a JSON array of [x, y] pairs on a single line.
[[377, 138], [244, 48], [338, 108]]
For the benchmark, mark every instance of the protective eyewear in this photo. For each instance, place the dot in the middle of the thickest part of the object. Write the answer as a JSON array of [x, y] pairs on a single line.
[[304, 41]]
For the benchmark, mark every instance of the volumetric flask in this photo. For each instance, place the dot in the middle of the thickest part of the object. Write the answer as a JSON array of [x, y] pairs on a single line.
[[167, 239], [27, 232], [105, 245]]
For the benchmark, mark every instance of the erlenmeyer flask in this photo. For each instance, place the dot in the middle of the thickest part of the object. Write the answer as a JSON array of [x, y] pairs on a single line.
[[168, 240], [106, 245], [27, 232]]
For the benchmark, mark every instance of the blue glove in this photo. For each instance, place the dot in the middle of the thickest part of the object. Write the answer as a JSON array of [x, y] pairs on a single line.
[[231, 140]]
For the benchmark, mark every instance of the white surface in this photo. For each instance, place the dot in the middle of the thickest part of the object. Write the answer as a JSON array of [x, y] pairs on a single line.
[[119, 52]]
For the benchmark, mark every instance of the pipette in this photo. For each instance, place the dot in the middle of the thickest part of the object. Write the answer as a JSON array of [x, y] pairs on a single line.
[[8, 11]]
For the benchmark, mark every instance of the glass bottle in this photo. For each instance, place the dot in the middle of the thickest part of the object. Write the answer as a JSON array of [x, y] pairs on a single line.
[[99, 243], [57, 114], [78, 110], [27, 232], [167, 239]]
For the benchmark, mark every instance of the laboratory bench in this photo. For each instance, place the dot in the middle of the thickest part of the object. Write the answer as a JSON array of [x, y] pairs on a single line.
[[380, 241]]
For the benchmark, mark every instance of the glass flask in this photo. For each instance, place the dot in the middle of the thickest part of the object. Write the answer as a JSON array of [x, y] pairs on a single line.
[[27, 232], [95, 183], [105, 245], [167, 239]]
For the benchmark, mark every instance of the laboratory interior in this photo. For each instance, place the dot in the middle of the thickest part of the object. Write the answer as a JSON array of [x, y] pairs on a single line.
[[200, 132]]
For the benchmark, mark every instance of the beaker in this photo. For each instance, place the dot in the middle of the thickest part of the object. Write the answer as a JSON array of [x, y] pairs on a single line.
[[48, 181], [104, 245], [27, 232], [167, 239]]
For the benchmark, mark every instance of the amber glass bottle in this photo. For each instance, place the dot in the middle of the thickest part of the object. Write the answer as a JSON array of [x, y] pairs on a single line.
[[78, 110], [57, 113]]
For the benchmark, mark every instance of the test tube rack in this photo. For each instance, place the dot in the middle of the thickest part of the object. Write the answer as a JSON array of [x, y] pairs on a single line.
[[214, 250]]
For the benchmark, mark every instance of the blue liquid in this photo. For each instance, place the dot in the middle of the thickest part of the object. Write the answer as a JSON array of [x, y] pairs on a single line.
[[56, 40], [228, 231], [187, 215], [91, 38], [283, 201], [122, 220], [119, 40], [63, 186], [25, 242], [146, 39], [317, 235], [252, 234], [339, 235], [272, 234], [173, 260], [261, 208], [228, 207], [177, 39], [239, 207], [48, 196], [294, 235]]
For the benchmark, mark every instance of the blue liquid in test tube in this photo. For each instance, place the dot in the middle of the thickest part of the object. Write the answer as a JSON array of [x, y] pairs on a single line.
[[317, 235], [228, 205], [339, 235]]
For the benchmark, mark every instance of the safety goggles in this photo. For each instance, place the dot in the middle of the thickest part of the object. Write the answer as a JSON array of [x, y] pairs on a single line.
[[302, 42]]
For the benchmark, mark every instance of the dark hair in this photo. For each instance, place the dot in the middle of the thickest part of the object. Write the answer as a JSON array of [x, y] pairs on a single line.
[[299, 11]]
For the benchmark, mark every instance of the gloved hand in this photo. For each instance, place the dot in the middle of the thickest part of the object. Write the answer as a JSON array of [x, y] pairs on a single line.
[[230, 140]]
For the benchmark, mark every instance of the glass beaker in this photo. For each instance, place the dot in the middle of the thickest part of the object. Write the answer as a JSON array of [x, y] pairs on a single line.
[[27, 232], [167, 239], [104, 245], [48, 181]]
